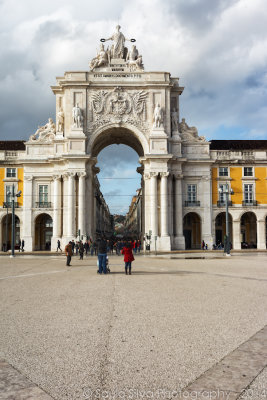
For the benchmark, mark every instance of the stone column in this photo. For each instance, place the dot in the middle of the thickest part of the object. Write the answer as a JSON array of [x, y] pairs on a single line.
[[81, 205], [206, 230], [261, 239], [164, 204], [178, 200], [57, 207], [154, 203], [236, 235], [71, 203], [28, 229]]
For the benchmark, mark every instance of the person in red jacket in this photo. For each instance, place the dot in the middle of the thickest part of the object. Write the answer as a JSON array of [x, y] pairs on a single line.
[[128, 257]]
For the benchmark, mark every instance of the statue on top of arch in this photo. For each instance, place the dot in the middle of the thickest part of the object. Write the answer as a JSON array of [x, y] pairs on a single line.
[[189, 133], [118, 51]]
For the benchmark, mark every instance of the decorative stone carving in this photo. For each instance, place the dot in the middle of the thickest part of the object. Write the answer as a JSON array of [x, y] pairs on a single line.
[[158, 116], [164, 174], [174, 120], [102, 58], [117, 49], [44, 134], [77, 116], [60, 123], [118, 106], [189, 133], [134, 60]]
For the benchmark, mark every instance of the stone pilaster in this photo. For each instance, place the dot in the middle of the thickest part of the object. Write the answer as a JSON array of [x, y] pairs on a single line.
[[164, 203], [81, 205], [178, 200], [28, 228], [71, 205], [236, 235], [154, 203], [261, 238], [57, 229]]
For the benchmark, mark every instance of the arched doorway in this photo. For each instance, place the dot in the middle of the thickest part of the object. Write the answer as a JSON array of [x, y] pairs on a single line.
[[118, 178], [192, 231], [43, 232], [249, 230], [220, 228], [7, 231]]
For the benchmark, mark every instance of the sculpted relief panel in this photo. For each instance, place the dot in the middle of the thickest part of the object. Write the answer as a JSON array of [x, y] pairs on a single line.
[[118, 106]]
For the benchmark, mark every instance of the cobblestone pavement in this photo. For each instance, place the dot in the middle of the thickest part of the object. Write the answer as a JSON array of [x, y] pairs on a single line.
[[165, 328]]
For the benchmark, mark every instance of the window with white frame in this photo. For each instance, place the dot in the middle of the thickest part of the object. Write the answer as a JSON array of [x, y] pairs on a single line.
[[191, 193], [222, 195], [8, 189], [223, 171], [248, 171], [248, 192], [11, 173], [43, 194]]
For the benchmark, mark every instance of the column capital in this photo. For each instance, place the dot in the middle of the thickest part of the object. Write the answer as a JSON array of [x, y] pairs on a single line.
[[28, 178], [178, 176], [81, 174], [153, 174], [164, 174], [56, 177]]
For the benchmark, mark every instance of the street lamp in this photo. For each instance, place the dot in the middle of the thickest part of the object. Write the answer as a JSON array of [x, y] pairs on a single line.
[[225, 191], [13, 197]]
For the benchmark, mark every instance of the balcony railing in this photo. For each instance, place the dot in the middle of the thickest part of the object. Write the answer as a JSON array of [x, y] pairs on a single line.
[[8, 204], [43, 204], [192, 203], [223, 203], [249, 203]]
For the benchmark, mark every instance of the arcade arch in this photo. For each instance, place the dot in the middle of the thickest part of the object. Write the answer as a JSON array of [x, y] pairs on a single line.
[[220, 228], [43, 231], [192, 231], [248, 230], [7, 231]]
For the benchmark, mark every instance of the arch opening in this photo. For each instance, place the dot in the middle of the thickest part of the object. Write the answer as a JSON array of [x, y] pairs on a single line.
[[43, 232], [220, 229], [248, 231], [118, 135], [7, 232], [192, 231]]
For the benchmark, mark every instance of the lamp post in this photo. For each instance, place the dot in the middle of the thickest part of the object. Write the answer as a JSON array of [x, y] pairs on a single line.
[[225, 191], [13, 197]]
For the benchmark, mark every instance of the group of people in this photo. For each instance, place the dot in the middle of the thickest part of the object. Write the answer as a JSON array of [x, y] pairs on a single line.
[[102, 248]]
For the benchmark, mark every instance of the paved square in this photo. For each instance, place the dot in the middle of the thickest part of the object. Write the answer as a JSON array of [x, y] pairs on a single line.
[[74, 333]]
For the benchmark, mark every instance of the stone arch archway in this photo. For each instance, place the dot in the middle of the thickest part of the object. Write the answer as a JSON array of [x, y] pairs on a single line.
[[248, 222], [220, 228], [192, 230], [118, 134], [43, 227], [6, 223]]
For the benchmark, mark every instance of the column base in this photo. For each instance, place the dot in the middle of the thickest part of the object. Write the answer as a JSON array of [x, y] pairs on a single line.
[[208, 239], [163, 243], [179, 242], [28, 243]]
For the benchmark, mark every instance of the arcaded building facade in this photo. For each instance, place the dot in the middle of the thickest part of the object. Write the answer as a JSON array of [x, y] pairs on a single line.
[[117, 101]]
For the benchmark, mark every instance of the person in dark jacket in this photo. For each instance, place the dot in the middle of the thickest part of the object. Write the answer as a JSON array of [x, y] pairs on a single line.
[[102, 255], [128, 257], [81, 250], [68, 252]]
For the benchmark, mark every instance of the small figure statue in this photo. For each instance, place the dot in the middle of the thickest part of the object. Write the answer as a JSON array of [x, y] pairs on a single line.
[[60, 124], [158, 116], [174, 120], [101, 59], [117, 49], [134, 60], [77, 116], [44, 131], [190, 132]]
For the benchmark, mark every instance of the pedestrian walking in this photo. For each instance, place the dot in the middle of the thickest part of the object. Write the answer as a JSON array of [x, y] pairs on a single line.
[[58, 246], [102, 255], [22, 245], [68, 252], [203, 245], [72, 246], [81, 250], [19, 245], [128, 257]]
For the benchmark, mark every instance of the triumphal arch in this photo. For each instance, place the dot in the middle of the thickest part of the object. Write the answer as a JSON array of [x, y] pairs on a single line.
[[117, 101]]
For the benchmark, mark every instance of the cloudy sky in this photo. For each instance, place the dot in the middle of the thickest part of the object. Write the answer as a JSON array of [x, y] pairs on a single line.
[[218, 48]]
